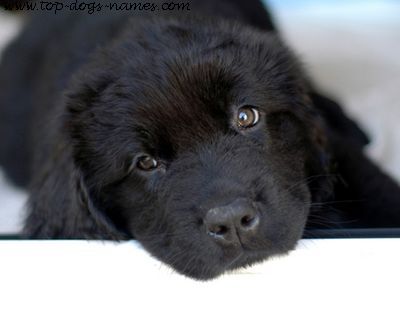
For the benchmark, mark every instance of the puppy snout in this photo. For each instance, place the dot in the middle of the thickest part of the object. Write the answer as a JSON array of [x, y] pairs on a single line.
[[233, 223]]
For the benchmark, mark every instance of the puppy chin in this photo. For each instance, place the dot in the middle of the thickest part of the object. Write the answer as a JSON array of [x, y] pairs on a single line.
[[209, 263], [241, 259]]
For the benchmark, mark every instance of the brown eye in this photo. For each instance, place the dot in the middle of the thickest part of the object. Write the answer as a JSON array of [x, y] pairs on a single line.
[[147, 163], [247, 117]]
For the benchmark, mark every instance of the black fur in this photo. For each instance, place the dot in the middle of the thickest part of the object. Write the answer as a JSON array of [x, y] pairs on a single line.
[[91, 94]]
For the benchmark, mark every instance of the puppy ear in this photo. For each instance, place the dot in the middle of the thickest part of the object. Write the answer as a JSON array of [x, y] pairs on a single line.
[[60, 204], [98, 224], [330, 124], [319, 164], [370, 197]]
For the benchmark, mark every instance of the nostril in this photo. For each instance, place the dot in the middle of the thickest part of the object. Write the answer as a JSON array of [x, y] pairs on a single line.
[[219, 230], [249, 222], [246, 220]]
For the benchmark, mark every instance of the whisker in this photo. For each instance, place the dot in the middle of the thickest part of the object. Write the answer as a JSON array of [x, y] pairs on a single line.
[[308, 180], [323, 203]]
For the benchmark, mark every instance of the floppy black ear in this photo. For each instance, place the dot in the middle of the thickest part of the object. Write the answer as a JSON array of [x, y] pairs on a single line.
[[60, 204], [363, 195], [320, 178], [330, 124]]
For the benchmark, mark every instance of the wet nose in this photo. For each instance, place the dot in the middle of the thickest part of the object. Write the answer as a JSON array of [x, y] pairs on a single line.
[[233, 223]]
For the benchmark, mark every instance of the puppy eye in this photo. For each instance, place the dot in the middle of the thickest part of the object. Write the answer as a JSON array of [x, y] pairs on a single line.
[[146, 163], [247, 117]]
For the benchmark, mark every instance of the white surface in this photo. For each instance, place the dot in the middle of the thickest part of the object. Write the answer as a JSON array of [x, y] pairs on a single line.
[[320, 274]]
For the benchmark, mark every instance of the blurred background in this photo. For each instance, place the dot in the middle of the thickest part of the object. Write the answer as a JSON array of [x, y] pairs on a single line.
[[351, 49]]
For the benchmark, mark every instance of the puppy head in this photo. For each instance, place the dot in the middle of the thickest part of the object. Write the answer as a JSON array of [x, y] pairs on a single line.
[[199, 142]]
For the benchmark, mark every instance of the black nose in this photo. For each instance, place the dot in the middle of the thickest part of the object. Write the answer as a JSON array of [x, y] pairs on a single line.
[[233, 223]]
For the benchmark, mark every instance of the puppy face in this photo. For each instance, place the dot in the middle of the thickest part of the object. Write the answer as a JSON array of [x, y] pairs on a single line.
[[197, 141]]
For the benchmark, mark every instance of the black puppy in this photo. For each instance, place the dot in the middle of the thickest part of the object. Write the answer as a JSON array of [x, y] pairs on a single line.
[[194, 132]]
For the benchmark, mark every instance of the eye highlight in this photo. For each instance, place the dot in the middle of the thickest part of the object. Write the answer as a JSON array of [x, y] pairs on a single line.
[[247, 117], [146, 163]]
